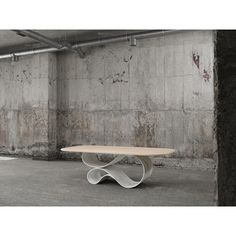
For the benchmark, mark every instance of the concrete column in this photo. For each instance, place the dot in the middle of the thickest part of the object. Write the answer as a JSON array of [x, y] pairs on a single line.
[[51, 108], [226, 116]]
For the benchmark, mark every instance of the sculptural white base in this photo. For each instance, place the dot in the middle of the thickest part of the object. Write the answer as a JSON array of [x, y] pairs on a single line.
[[101, 171]]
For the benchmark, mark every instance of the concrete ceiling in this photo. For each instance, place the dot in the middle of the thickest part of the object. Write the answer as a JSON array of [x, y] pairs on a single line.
[[12, 42]]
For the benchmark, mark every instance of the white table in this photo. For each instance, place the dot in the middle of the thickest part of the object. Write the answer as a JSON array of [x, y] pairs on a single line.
[[100, 170]]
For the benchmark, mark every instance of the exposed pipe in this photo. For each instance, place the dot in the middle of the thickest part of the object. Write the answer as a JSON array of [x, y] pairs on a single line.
[[43, 39], [76, 50], [141, 35], [31, 52], [39, 37]]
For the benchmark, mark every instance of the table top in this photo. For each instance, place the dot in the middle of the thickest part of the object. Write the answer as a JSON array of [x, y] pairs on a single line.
[[136, 151]]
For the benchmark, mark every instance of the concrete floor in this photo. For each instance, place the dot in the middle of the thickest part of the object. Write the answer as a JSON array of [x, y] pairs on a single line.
[[24, 182]]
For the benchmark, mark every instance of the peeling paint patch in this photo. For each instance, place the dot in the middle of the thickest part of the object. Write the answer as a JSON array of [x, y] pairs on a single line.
[[115, 78], [196, 59], [206, 76], [119, 81]]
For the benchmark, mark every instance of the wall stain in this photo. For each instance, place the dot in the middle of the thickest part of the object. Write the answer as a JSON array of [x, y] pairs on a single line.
[[26, 77], [196, 93], [24, 72], [127, 60], [206, 76], [196, 59], [114, 78], [144, 132]]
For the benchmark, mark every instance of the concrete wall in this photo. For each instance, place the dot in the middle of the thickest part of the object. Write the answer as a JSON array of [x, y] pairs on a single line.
[[26, 105], [157, 94]]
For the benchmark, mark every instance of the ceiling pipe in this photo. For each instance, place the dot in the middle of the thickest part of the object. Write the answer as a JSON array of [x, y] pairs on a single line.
[[43, 39], [122, 38], [39, 37], [76, 50], [31, 52], [141, 35]]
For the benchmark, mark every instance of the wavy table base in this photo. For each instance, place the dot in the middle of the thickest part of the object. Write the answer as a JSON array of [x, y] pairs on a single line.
[[101, 171]]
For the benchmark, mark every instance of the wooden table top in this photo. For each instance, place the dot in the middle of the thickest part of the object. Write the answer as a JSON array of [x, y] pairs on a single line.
[[136, 151]]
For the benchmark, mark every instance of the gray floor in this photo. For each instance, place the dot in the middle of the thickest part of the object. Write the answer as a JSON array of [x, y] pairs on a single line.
[[24, 182]]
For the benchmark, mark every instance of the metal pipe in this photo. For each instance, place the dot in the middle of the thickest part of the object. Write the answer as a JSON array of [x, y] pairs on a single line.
[[39, 37], [31, 52], [43, 39], [141, 35], [76, 50]]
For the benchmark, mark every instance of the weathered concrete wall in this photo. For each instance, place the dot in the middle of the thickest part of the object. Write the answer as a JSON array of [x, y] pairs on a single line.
[[226, 116], [157, 94], [27, 95]]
